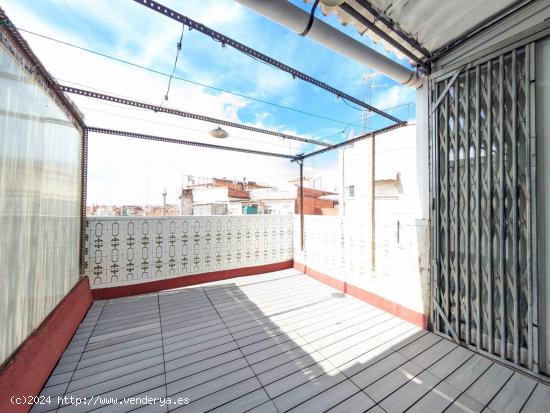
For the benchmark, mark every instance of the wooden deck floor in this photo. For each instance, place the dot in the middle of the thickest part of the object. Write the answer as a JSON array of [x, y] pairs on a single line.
[[276, 342]]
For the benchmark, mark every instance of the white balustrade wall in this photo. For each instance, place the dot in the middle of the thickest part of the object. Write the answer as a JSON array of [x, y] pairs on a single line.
[[130, 250], [341, 248], [333, 244]]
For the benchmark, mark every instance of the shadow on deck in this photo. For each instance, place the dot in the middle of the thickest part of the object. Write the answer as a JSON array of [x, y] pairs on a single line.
[[273, 343]]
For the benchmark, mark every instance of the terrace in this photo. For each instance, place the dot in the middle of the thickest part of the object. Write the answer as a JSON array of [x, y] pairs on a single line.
[[425, 299], [275, 342]]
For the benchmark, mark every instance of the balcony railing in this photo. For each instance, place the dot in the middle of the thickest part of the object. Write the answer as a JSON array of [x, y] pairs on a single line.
[[130, 250]]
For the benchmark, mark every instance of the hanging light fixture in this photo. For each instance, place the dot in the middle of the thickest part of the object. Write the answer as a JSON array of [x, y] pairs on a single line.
[[219, 133]]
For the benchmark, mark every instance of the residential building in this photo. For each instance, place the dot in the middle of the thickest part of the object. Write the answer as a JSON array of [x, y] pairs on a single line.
[[287, 201]]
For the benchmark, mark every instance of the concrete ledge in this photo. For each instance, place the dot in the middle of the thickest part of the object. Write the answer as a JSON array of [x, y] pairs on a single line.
[[27, 370], [414, 317], [185, 281]]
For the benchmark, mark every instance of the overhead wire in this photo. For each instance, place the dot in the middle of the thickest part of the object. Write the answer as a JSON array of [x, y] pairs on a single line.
[[169, 124], [136, 108], [192, 24], [158, 72], [121, 106], [172, 75], [359, 121], [131, 108], [353, 106]]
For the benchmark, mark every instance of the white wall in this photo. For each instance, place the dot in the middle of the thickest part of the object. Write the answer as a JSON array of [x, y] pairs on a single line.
[[355, 169], [341, 246], [278, 207], [397, 152], [39, 204], [271, 193], [208, 195]]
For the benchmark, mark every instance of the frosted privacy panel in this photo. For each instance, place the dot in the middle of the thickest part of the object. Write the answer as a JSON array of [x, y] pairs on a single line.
[[39, 204]]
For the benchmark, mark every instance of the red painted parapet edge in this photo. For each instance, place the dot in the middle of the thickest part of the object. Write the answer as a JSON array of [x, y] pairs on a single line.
[[185, 281], [414, 317], [28, 369]]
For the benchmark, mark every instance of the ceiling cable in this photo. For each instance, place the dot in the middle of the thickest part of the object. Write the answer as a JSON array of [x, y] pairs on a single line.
[[311, 19], [178, 46]]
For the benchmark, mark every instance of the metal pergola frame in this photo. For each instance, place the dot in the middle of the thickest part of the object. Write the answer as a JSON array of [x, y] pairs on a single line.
[[225, 40], [393, 27], [299, 159], [356, 14], [21, 50], [136, 135], [111, 98], [171, 111]]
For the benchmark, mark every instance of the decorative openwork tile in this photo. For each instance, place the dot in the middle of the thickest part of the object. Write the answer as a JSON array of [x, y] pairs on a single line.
[[127, 250]]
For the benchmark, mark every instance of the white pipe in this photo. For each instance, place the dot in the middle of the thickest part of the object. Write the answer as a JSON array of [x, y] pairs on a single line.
[[294, 18]]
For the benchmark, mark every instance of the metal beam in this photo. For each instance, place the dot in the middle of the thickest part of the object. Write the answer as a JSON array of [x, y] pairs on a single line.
[[466, 197], [532, 230], [351, 141], [381, 33], [34, 66], [435, 209], [301, 163], [490, 192], [478, 254], [448, 227], [224, 40], [515, 212], [457, 208], [155, 108], [182, 142], [449, 84], [373, 204], [83, 198], [502, 211], [390, 24]]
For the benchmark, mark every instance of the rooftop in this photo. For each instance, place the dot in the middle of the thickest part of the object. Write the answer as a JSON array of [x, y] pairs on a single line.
[[432, 300]]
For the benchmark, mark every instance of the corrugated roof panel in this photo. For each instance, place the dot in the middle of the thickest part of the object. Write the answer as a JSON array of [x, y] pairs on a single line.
[[346, 19], [433, 23], [436, 22]]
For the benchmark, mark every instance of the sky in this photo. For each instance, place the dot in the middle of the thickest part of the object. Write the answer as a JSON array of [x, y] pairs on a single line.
[[235, 87]]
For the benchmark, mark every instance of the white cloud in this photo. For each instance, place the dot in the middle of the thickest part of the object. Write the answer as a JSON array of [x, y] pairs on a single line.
[[394, 96], [123, 170], [274, 82]]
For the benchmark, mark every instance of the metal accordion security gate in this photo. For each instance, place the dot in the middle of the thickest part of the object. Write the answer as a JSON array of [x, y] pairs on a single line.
[[483, 150]]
